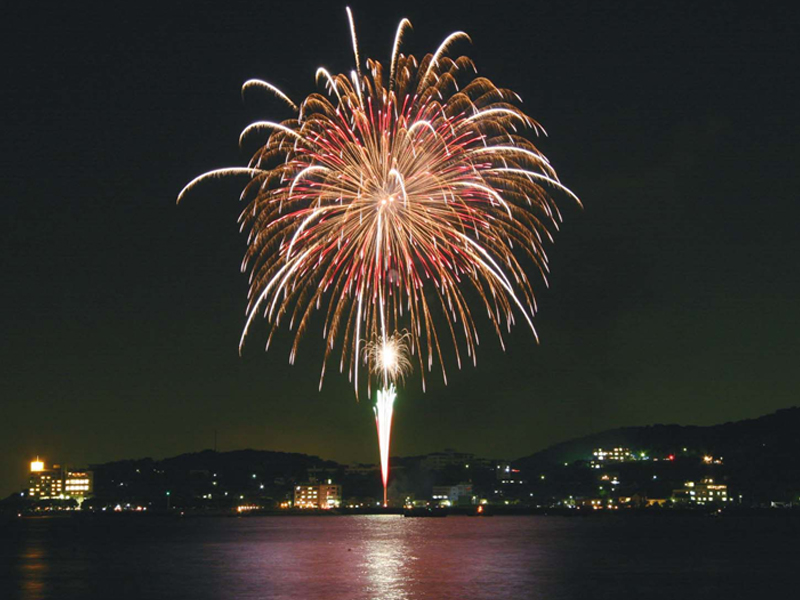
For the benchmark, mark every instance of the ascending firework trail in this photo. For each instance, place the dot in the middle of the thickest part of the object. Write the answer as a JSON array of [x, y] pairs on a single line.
[[381, 201]]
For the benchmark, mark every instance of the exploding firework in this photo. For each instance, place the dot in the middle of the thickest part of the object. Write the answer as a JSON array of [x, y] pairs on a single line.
[[382, 201], [389, 360], [389, 357]]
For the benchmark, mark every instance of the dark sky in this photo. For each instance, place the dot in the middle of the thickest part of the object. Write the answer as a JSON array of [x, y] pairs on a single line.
[[674, 295]]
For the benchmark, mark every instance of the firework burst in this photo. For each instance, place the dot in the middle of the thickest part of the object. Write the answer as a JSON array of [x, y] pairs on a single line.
[[385, 197], [382, 201], [388, 358]]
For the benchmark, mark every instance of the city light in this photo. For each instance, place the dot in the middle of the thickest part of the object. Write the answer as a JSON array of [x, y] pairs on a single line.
[[611, 491]]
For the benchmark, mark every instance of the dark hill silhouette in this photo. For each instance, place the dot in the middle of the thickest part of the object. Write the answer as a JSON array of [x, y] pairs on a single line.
[[771, 436], [761, 457]]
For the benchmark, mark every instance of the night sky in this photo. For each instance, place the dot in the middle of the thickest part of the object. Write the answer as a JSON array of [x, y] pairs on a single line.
[[674, 292]]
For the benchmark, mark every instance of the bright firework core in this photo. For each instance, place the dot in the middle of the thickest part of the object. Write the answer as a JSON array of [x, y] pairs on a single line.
[[388, 358]]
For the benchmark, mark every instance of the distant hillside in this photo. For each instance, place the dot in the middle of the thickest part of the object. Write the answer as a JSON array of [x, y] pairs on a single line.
[[760, 465], [774, 436], [237, 469], [265, 461]]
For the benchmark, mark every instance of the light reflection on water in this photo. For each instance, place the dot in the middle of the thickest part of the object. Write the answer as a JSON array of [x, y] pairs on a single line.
[[387, 557], [33, 570], [392, 558]]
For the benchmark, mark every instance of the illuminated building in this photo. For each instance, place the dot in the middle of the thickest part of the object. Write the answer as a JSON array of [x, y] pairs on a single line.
[[642, 501], [704, 492], [45, 484], [596, 503], [318, 495], [616, 454], [306, 496], [57, 483], [454, 495], [78, 485], [660, 502]]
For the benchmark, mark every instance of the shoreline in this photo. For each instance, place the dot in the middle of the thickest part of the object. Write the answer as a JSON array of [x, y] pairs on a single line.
[[493, 512]]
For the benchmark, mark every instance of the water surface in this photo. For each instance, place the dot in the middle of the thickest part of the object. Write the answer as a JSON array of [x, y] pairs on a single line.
[[392, 558]]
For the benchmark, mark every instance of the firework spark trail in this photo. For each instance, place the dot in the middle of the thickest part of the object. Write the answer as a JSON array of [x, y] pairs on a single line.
[[389, 359], [384, 408], [383, 200]]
